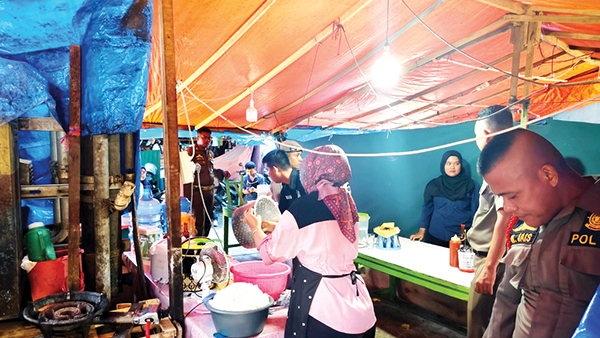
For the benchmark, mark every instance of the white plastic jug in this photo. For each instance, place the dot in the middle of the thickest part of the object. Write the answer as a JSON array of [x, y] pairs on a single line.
[[159, 261]]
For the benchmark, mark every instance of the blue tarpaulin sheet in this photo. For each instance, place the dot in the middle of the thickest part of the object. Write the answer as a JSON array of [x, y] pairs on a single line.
[[116, 41]]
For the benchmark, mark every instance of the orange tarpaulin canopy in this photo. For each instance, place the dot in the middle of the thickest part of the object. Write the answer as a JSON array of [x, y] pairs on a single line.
[[309, 64]]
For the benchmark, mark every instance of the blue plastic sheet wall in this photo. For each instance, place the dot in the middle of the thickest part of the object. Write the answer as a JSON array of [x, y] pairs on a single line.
[[115, 39], [35, 146]]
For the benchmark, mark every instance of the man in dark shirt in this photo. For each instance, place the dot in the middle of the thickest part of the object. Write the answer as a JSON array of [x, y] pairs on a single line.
[[282, 172]]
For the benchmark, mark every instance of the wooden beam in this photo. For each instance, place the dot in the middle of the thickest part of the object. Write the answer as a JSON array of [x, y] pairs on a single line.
[[517, 41], [349, 69], [326, 107], [579, 36], [325, 33], [534, 9], [533, 29], [554, 41], [171, 154], [73, 139], [507, 5], [265, 6], [39, 123], [553, 18]]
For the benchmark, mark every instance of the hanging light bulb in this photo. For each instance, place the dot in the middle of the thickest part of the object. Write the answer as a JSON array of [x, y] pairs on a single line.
[[386, 70], [251, 112]]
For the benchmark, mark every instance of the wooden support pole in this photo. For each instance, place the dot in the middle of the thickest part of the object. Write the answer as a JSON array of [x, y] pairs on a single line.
[[532, 34], [517, 41], [114, 169], [171, 146], [74, 166], [101, 214]]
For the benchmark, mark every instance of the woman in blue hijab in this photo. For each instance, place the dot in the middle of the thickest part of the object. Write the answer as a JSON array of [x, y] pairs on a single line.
[[449, 201]]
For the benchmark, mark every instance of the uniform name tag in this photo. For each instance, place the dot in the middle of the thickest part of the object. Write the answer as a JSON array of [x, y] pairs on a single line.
[[523, 234]]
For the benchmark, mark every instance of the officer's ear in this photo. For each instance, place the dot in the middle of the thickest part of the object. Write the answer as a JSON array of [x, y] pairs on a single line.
[[549, 174]]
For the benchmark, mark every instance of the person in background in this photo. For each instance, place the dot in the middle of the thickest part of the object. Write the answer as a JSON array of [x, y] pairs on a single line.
[[450, 200], [201, 191], [320, 232], [488, 234], [281, 171], [151, 179], [552, 269], [251, 181], [293, 151]]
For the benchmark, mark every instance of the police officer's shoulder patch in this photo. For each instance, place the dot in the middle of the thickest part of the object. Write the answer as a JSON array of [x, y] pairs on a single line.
[[523, 234], [589, 234]]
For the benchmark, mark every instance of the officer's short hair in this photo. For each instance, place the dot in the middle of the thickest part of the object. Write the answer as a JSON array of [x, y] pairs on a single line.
[[250, 165], [495, 118], [495, 150], [277, 158]]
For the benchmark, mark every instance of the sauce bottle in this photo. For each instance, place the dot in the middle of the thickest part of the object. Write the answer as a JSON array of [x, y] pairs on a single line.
[[463, 234], [454, 246]]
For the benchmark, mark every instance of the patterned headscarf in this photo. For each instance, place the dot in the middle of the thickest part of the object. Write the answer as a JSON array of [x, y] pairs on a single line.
[[328, 174]]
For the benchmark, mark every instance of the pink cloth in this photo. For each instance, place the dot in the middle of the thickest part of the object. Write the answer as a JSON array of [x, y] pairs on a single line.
[[325, 250]]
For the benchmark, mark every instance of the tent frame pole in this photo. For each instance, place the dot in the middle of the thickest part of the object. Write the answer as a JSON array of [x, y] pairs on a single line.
[[171, 155]]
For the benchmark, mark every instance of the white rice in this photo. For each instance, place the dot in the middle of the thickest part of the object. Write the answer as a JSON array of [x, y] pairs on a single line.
[[240, 297]]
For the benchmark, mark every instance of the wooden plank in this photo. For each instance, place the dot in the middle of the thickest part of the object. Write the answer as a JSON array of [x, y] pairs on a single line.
[[554, 41], [43, 191], [507, 5], [222, 50], [534, 9], [74, 166], [324, 34], [517, 41], [171, 155], [568, 35], [39, 123], [553, 18], [533, 29]]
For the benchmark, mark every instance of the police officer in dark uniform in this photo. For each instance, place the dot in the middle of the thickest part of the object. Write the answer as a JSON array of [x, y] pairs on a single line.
[[552, 269], [280, 171]]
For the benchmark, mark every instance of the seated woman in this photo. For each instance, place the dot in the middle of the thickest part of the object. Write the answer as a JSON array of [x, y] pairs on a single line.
[[320, 232], [450, 200]]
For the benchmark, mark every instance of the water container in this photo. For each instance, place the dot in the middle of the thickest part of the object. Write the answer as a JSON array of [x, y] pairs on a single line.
[[39, 243], [148, 210], [363, 226]]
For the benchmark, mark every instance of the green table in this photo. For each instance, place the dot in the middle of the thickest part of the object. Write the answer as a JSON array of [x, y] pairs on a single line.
[[419, 263]]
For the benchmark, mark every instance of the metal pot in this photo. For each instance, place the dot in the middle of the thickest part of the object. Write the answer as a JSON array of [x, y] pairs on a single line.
[[238, 323]]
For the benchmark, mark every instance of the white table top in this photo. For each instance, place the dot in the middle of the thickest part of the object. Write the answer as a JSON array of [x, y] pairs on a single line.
[[424, 258]]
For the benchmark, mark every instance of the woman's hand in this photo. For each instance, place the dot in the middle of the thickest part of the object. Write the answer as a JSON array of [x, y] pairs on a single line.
[[254, 221], [268, 226], [418, 236]]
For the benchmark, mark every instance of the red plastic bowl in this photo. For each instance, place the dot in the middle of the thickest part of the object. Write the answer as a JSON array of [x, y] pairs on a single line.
[[270, 279]]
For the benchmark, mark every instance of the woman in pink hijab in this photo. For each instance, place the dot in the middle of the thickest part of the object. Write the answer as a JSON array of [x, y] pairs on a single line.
[[319, 232]]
